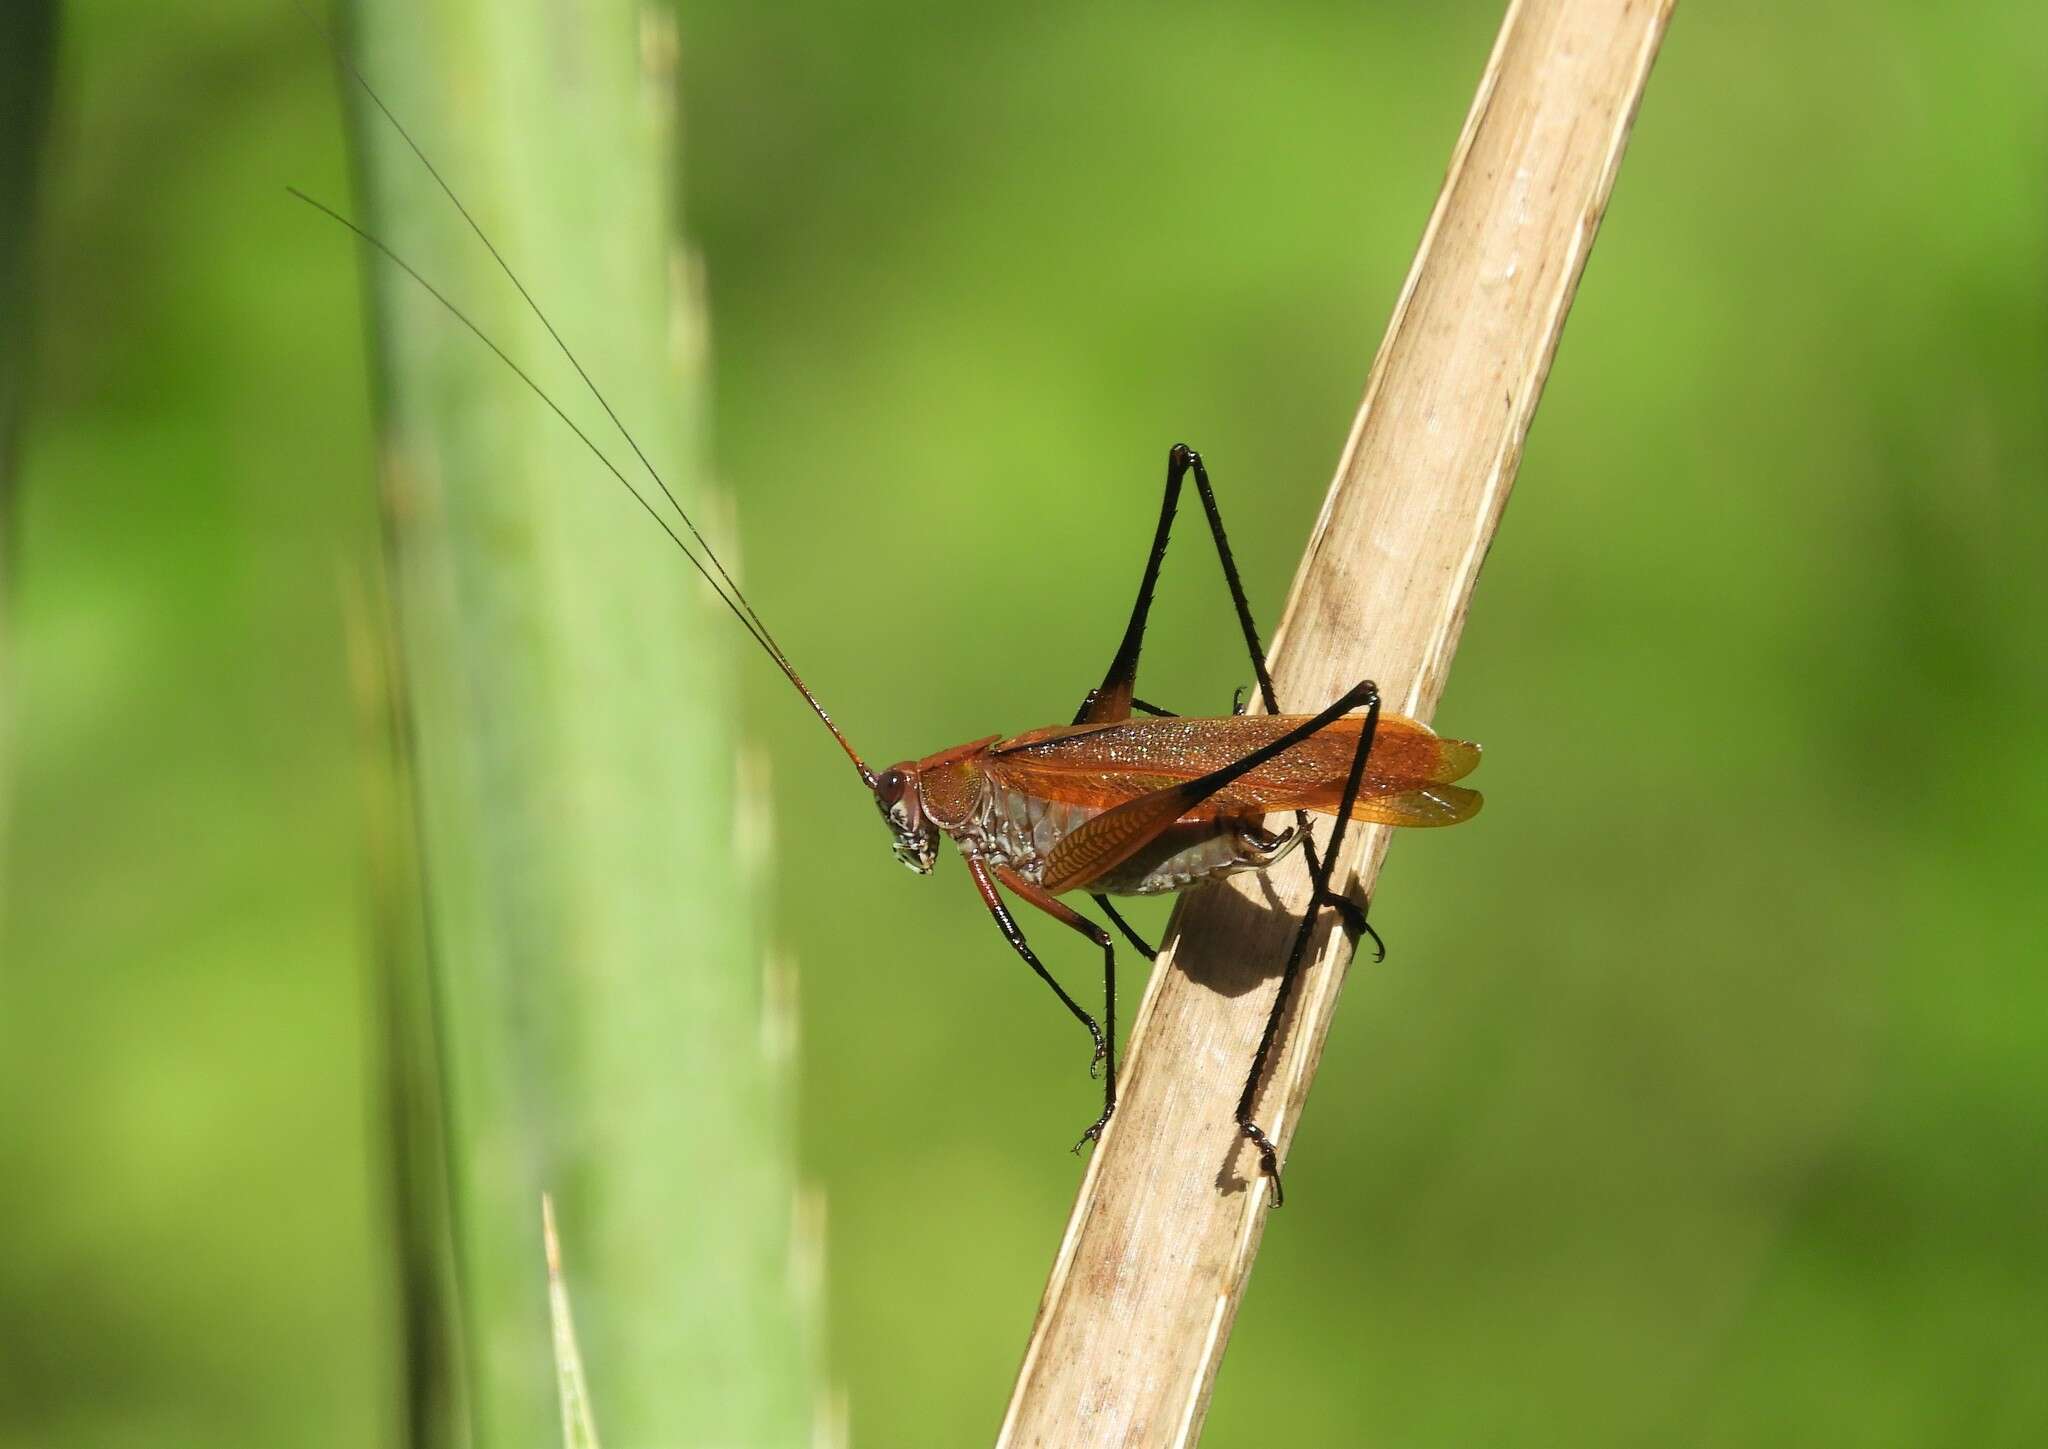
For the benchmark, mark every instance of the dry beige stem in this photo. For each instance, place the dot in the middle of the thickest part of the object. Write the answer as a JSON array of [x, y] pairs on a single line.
[[1156, 1256]]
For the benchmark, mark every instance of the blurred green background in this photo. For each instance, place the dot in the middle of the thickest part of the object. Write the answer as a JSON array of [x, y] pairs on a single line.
[[1702, 1097]]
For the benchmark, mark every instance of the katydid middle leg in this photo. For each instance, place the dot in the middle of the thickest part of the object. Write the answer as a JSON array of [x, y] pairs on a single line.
[[1066, 915]]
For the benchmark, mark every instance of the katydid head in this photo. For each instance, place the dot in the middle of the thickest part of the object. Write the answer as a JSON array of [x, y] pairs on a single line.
[[914, 838]]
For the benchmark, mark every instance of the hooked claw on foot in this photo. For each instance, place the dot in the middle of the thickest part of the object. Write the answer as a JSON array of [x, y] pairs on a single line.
[[1094, 1132], [1269, 1160], [1351, 916]]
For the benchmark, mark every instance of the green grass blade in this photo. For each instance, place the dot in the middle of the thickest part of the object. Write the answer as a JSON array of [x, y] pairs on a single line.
[[407, 1073], [597, 969]]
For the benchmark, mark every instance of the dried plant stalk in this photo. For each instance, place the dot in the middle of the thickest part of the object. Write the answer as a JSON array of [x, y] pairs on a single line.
[[1161, 1242]]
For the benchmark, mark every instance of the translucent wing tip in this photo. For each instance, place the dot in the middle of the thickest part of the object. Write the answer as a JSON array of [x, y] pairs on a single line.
[[1460, 758], [1430, 805]]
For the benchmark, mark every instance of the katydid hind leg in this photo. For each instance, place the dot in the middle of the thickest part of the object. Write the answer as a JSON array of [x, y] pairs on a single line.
[[1255, 649], [1107, 840], [1320, 896], [1112, 700]]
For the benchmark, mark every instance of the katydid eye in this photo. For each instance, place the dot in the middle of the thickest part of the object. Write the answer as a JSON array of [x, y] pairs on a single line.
[[891, 786]]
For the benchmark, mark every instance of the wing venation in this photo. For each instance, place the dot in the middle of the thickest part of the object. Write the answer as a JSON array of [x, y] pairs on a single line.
[[1408, 778]]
